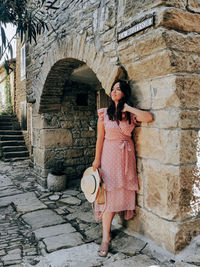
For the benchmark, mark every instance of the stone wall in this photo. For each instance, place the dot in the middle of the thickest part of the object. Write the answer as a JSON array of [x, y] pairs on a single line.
[[22, 109], [163, 67], [68, 136]]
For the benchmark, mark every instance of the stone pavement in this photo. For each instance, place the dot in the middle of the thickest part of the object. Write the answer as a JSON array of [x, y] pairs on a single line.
[[41, 228]]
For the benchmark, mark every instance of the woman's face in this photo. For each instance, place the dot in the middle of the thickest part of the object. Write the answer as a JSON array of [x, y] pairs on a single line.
[[116, 93]]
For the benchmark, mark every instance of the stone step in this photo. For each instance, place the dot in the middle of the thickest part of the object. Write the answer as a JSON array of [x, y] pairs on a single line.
[[5, 123], [10, 132], [7, 118], [17, 154], [6, 127], [12, 143], [15, 159], [14, 148], [11, 137]]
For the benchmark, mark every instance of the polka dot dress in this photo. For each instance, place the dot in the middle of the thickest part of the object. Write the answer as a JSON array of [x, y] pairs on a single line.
[[118, 166]]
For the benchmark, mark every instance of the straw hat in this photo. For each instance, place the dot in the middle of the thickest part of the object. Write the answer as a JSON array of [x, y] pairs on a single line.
[[90, 184]]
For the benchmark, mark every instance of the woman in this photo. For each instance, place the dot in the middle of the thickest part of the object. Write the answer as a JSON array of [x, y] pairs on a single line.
[[116, 156]]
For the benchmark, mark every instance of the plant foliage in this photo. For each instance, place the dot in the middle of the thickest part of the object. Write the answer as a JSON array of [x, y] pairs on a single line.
[[27, 16]]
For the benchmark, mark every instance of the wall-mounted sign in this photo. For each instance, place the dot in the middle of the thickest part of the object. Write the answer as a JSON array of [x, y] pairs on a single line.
[[136, 28]]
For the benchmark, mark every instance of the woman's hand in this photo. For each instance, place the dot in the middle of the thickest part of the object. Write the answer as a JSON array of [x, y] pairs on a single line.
[[125, 109], [96, 164]]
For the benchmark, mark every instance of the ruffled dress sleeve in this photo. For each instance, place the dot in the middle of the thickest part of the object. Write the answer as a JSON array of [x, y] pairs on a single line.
[[101, 113]]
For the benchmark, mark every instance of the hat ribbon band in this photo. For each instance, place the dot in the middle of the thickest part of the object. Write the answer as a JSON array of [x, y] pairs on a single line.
[[95, 184]]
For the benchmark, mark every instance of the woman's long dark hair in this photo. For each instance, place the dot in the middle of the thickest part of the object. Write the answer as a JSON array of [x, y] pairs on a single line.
[[114, 114]]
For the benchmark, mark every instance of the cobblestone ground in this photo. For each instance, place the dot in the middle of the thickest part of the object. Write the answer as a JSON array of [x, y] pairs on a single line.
[[45, 229]]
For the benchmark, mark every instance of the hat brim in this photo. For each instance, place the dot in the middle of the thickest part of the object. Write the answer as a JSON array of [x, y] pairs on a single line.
[[89, 171]]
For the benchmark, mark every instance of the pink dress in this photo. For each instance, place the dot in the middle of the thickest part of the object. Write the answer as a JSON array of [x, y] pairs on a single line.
[[118, 166]]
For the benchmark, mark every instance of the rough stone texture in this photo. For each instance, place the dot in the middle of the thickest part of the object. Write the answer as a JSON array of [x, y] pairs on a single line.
[[140, 261], [150, 66], [189, 191], [62, 241], [161, 192], [180, 20], [23, 202], [187, 90], [71, 200], [162, 145], [49, 218], [128, 245], [54, 230], [182, 42], [189, 119], [189, 142], [56, 182], [55, 138], [27, 202], [194, 5], [175, 3]]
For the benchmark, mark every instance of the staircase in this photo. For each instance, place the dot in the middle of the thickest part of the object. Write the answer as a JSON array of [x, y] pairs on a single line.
[[12, 144]]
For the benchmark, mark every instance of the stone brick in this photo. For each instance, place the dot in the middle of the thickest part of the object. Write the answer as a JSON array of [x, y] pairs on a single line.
[[74, 153], [161, 191], [187, 90], [150, 66], [169, 235], [142, 91], [37, 122], [127, 52], [175, 3], [87, 133], [159, 144], [55, 138], [194, 5], [182, 42], [187, 231], [76, 46], [81, 46], [39, 156], [189, 191], [185, 62], [164, 93], [141, 179], [146, 223], [150, 43], [189, 119], [98, 61], [91, 56], [189, 146], [89, 152], [166, 119], [180, 20]]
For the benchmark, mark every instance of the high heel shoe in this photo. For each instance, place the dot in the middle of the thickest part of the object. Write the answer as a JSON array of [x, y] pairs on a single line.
[[103, 249]]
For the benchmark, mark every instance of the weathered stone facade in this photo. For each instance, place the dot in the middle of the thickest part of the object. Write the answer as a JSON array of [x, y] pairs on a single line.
[[163, 66], [7, 88], [22, 108]]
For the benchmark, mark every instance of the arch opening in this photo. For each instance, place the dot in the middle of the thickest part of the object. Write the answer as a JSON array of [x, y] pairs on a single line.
[[68, 111]]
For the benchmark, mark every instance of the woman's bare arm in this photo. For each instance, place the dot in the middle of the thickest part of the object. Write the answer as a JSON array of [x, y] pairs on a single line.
[[99, 144], [141, 115]]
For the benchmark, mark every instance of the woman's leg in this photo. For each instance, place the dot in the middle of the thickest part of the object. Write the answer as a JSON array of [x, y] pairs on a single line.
[[106, 224]]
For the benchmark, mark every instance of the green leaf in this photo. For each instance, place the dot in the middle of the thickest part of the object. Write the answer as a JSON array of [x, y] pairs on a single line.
[[10, 49], [3, 37]]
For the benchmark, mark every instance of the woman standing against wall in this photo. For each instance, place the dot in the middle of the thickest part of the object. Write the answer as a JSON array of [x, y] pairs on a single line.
[[115, 155]]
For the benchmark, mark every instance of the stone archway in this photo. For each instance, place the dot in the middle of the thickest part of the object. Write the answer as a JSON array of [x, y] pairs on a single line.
[[75, 48], [66, 64], [67, 115]]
